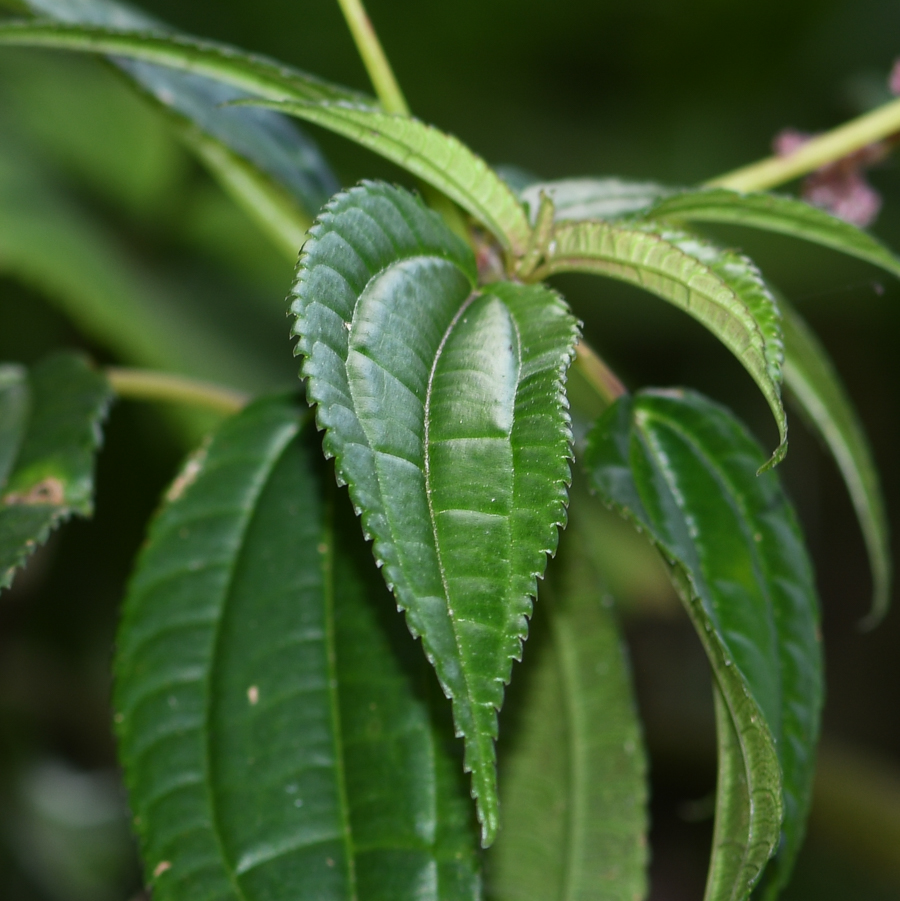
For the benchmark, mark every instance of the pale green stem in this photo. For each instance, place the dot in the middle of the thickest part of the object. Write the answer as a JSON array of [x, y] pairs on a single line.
[[147, 384], [817, 152], [600, 377], [376, 63]]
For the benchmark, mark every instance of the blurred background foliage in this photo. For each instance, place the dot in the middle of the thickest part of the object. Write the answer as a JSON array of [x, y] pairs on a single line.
[[113, 239]]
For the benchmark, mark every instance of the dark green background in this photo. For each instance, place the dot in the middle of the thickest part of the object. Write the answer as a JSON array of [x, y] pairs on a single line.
[[676, 92]]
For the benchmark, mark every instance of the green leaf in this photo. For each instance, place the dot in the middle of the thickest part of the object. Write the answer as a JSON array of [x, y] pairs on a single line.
[[682, 469], [256, 75], [275, 731], [274, 164], [776, 213], [721, 289], [815, 387], [437, 158], [593, 198], [50, 421], [572, 764], [444, 408]]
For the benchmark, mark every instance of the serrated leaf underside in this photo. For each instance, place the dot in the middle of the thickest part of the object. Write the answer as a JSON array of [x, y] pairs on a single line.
[[685, 471]]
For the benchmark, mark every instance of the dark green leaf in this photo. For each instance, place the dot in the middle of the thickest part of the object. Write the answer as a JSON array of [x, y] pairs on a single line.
[[593, 198], [816, 389], [776, 213], [274, 725], [437, 158], [572, 765], [263, 139], [50, 421], [444, 408], [684, 470], [722, 289]]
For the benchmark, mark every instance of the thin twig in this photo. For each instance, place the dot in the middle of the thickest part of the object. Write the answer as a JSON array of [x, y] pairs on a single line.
[[147, 384], [598, 375], [815, 153]]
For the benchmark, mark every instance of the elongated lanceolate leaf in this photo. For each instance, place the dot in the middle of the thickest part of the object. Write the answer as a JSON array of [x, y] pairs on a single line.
[[682, 469], [444, 408], [572, 764], [721, 289], [815, 387], [50, 420], [775, 213], [274, 729], [437, 158], [593, 198], [257, 138], [257, 75]]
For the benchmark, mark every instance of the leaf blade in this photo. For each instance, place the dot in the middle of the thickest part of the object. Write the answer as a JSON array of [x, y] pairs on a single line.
[[50, 421], [594, 198], [816, 388], [682, 468], [437, 158], [573, 769], [428, 392], [721, 289], [274, 739], [777, 213]]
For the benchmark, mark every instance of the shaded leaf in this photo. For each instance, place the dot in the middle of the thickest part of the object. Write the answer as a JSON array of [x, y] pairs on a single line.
[[776, 213], [815, 387], [684, 470], [437, 158], [721, 289], [572, 765], [444, 409], [49, 434], [274, 728], [285, 165], [593, 198]]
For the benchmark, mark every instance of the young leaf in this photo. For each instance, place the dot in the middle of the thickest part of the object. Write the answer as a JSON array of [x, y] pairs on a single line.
[[437, 158], [815, 387], [274, 162], [572, 765], [593, 198], [273, 726], [722, 289], [684, 470], [776, 213], [444, 409], [50, 421]]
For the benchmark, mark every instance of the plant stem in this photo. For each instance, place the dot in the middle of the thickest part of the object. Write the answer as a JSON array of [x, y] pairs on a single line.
[[376, 63], [601, 378], [147, 384], [817, 152]]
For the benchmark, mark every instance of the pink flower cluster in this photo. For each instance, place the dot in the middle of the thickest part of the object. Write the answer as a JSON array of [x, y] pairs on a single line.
[[841, 186]]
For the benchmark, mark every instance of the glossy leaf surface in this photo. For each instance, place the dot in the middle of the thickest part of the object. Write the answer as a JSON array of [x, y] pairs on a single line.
[[50, 420], [437, 158], [775, 213], [721, 289], [572, 764], [816, 388], [264, 139], [683, 469], [594, 198], [274, 726], [444, 409]]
